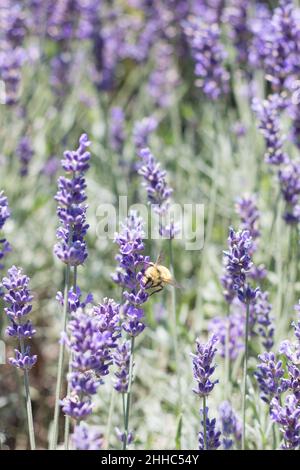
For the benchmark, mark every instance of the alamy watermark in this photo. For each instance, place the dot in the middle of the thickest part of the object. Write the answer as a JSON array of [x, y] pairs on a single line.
[[188, 220]]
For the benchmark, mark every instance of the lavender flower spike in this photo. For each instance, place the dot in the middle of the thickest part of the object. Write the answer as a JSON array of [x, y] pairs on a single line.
[[212, 439], [270, 377], [288, 417], [203, 367], [142, 131], [71, 210], [86, 438], [231, 425]]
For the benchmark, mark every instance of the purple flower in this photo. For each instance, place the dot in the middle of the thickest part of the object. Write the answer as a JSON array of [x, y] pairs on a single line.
[[237, 15], [235, 323], [61, 74], [203, 366], [142, 131], [18, 300], [239, 263], [269, 376], [288, 417], [268, 115], [208, 54], [71, 210], [122, 436], [246, 208], [129, 274], [289, 179], [11, 62], [108, 316], [121, 358], [231, 426], [116, 130], [25, 154], [74, 299], [87, 437], [262, 309], [212, 434]]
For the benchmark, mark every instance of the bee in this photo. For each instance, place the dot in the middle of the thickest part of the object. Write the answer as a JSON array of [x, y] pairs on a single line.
[[157, 276]]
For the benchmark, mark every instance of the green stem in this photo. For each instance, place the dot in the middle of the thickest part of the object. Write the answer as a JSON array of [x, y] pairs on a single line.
[[67, 418], [128, 395], [28, 402], [60, 369], [109, 420], [245, 376], [175, 333], [204, 424]]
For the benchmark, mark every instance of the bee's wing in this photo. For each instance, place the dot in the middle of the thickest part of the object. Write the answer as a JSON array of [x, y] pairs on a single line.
[[174, 283], [160, 258]]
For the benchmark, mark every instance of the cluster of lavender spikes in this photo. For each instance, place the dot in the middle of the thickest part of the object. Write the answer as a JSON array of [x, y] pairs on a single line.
[[71, 210], [4, 215], [92, 336], [274, 379], [132, 264], [208, 54], [18, 299]]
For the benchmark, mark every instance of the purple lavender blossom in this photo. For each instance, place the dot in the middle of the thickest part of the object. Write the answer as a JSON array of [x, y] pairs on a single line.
[[268, 115], [237, 15], [210, 10], [262, 309], [203, 367], [71, 210], [108, 316], [25, 154], [18, 300], [4, 215], [269, 376], [129, 274], [11, 62], [122, 436], [231, 426], [246, 208], [90, 342], [61, 73], [208, 54], [87, 437], [142, 131], [289, 179], [235, 323], [121, 359], [288, 417], [212, 434], [117, 131], [238, 264]]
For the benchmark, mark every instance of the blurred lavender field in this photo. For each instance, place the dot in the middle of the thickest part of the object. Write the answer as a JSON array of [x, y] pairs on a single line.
[[165, 101]]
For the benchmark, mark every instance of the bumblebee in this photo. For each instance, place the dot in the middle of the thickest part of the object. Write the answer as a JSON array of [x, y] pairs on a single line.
[[157, 276]]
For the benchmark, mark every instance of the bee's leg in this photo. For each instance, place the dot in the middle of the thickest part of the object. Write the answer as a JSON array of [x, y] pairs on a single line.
[[159, 288], [148, 283]]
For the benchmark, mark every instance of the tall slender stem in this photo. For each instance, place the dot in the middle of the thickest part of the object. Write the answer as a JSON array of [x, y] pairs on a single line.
[[245, 376], [67, 418], [174, 328], [28, 402], [109, 420], [60, 369], [204, 423], [128, 395], [227, 358]]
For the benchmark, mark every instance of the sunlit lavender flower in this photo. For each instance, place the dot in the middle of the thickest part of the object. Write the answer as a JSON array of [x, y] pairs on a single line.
[[116, 130], [4, 215], [238, 264], [71, 210], [212, 434], [87, 437], [270, 377], [142, 131], [231, 426], [262, 309], [121, 358], [268, 115], [25, 154], [288, 417], [18, 300], [203, 366], [129, 274], [231, 327], [208, 54], [210, 10]]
